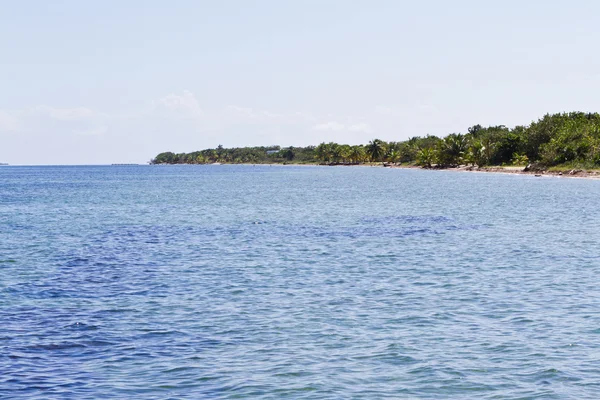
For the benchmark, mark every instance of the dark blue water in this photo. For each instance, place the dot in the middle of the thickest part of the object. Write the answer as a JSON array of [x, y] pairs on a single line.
[[297, 282]]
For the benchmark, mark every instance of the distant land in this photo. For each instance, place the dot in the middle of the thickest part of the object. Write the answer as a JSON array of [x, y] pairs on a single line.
[[554, 143]]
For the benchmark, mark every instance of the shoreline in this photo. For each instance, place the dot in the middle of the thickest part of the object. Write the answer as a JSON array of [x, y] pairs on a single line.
[[574, 173]]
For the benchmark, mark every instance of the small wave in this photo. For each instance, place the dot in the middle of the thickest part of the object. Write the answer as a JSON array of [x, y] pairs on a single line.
[[98, 343], [410, 219], [180, 369], [81, 326], [56, 346]]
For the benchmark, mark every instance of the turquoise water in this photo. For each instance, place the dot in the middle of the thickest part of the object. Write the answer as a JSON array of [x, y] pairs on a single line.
[[225, 282]]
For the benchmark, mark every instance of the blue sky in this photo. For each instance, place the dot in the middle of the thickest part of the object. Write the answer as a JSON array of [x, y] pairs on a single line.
[[95, 82]]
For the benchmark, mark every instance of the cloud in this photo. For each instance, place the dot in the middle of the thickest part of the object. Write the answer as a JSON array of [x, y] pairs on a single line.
[[178, 122], [94, 131], [335, 126], [8, 122], [362, 127], [329, 126], [250, 115], [42, 120], [178, 106], [247, 114], [64, 114]]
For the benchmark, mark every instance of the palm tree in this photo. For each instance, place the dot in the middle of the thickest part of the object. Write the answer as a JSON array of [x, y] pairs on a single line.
[[345, 152], [393, 156], [376, 150], [476, 154], [336, 152], [357, 154], [452, 149], [425, 157], [323, 152]]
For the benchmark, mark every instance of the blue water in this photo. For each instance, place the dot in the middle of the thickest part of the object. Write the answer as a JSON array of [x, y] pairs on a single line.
[[223, 282]]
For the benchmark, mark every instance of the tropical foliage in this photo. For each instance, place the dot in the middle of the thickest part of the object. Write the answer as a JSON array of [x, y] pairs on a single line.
[[558, 139]]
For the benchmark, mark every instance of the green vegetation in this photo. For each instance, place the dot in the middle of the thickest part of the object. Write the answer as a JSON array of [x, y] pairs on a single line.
[[567, 140], [238, 155]]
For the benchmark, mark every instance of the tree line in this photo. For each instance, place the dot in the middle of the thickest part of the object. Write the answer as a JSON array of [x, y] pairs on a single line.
[[564, 139]]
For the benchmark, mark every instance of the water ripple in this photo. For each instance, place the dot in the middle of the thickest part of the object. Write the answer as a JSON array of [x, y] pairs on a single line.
[[304, 283]]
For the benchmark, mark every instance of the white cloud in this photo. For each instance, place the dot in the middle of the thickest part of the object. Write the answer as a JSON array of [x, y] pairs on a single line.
[[361, 127], [8, 122], [329, 126], [384, 110], [246, 114], [93, 131], [177, 122], [178, 106], [335, 126], [250, 115], [64, 114], [427, 107]]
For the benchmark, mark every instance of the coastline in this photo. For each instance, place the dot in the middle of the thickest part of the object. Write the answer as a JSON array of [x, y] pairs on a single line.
[[574, 173], [560, 144], [511, 170]]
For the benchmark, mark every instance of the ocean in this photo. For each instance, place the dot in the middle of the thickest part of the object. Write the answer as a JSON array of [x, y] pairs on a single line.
[[273, 282]]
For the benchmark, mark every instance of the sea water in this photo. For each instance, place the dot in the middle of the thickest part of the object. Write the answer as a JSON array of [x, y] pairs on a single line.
[[270, 282]]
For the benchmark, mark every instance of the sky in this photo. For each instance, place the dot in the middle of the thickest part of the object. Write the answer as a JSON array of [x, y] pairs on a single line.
[[105, 81]]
